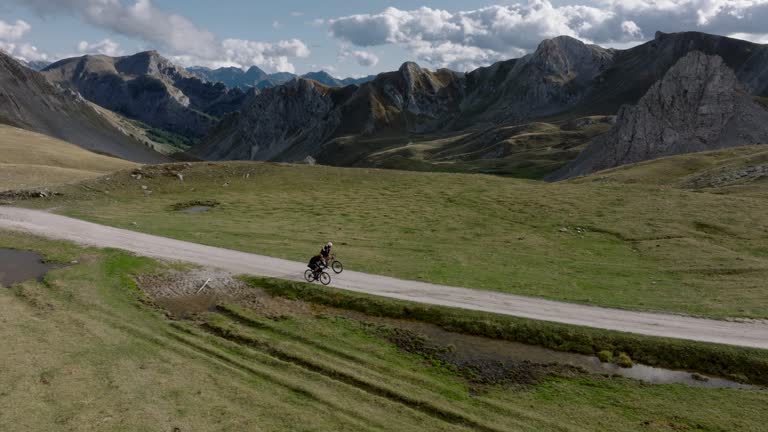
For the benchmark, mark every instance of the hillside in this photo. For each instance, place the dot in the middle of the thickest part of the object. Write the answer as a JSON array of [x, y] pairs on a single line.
[[735, 170], [29, 101], [563, 81], [149, 88], [30, 160], [634, 246]]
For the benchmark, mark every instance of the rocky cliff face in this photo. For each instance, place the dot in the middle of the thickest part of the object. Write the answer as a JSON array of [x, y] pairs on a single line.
[[282, 123], [699, 105], [557, 76], [29, 101], [149, 88]]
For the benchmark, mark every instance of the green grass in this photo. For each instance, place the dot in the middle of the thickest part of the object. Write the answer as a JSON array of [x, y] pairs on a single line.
[[85, 351], [31, 160], [527, 151], [164, 137], [633, 246], [741, 364], [680, 171]]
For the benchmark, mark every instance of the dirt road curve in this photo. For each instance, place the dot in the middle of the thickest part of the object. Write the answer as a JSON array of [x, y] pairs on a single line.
[[60, 227]]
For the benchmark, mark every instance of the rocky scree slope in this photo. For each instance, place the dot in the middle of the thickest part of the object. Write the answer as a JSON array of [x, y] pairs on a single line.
[[29, 101], [148, 88], [699, 105]]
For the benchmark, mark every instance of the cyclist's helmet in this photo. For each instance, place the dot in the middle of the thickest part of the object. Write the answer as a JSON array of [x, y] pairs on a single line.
[[329, 244]]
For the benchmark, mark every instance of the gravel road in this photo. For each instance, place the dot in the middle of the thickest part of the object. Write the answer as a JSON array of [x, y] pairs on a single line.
[[748, 334]]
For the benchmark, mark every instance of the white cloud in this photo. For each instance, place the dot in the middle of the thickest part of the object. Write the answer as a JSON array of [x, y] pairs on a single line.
[[171, 33], [761, 38], [15, 31], [363, 58], [238, 52], [106, 47], [276, 24], [9, 41], [469, 38], [632, 30]]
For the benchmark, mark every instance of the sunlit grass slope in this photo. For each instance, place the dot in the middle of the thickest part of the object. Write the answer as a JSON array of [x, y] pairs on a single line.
[[632, 246], [29, 160]]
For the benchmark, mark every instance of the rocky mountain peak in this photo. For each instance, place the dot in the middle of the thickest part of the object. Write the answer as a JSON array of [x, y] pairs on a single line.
[[150, 63], [698, 105], [567, 56]]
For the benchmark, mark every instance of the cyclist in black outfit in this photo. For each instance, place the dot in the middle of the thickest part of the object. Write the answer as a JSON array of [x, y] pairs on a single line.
[[325, 252]]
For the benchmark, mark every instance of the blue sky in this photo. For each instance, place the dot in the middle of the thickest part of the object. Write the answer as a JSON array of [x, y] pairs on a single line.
[[353, 38]]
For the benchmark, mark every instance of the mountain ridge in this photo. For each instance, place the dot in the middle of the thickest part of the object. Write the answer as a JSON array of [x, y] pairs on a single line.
[[564, 78], [29, 101], [254, 77], [149, 88]]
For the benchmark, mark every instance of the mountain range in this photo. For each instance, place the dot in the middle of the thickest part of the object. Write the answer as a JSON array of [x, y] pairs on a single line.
[[562, 81], [567, 109], [256, 78]]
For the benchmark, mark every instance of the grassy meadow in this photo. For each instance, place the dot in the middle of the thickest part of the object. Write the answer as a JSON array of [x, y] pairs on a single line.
[[87, 350], [624, 244], [31, 160]]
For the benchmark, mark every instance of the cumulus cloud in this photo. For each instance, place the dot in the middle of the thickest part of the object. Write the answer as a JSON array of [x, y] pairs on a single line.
[[106, 47], [239, 52], [10, 34], [171, 33], [466, 39], [363, 58]]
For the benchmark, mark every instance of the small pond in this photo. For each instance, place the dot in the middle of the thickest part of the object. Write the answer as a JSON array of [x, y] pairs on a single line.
[[21, 266]]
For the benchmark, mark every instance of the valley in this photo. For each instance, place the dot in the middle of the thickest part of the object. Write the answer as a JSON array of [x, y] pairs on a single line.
[[571, 237]]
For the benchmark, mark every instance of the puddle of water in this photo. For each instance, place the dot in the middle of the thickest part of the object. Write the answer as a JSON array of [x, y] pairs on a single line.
[[476, 348], [196, 209], [21, 266]]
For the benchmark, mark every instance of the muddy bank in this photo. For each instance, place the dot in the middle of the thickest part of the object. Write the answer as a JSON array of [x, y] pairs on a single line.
[[482, 361], [21, 266], [494, 357]]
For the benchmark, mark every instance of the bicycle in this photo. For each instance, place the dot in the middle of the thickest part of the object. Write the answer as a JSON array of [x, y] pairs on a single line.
[[335, 265], [321, 276]]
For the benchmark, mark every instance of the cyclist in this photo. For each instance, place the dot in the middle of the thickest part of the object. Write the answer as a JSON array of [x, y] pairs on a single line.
[[316, 264], [325, 252]]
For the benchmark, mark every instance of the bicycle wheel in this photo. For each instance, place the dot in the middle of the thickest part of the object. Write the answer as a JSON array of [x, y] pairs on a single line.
[[309, 275], [337, 267], [325, 278]]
